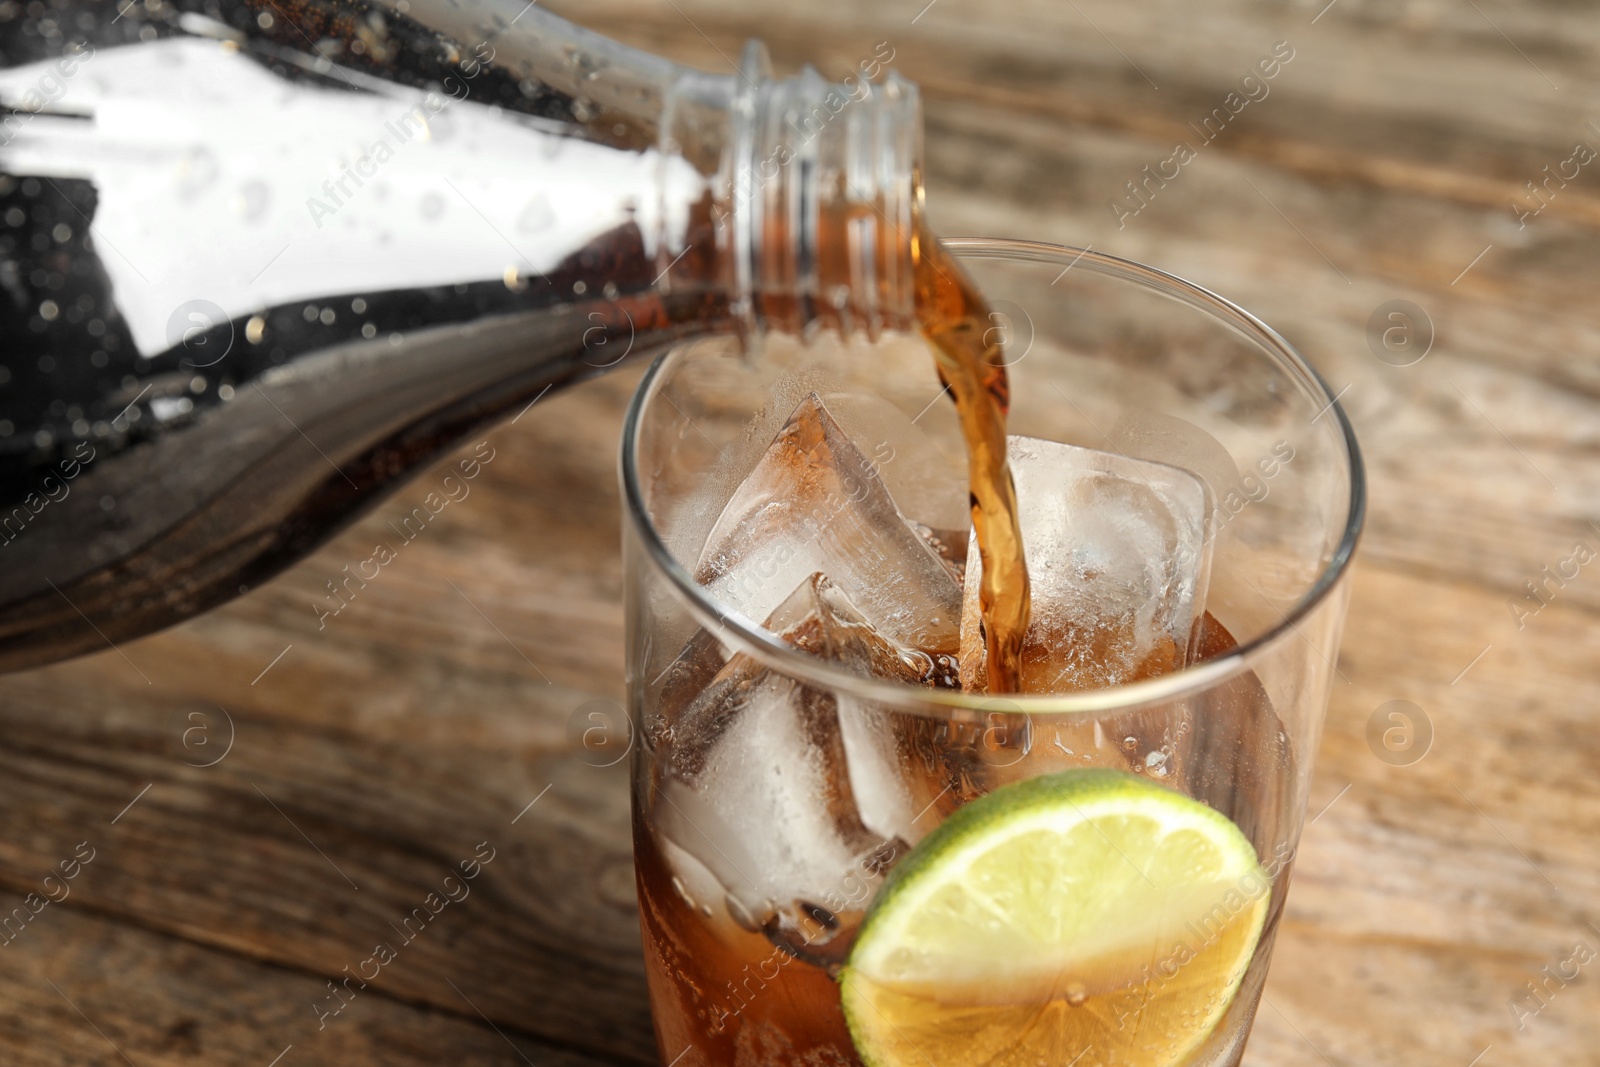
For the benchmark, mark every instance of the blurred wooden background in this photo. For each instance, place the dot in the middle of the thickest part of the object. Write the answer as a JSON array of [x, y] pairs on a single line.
[[372, 756]]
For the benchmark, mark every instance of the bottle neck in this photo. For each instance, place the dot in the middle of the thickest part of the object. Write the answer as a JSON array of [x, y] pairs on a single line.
[[806, 206], [812, 210]]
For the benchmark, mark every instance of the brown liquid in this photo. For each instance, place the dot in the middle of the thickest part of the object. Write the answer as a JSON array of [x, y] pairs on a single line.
[[955, 319], [727, 992]]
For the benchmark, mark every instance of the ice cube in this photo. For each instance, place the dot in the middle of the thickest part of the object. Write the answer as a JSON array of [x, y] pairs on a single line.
[[814, 502], [757, 786], [1118, 559], [820, 619], [879, 784], [793, 798], [949, 545], [763, 806], [922, 467]]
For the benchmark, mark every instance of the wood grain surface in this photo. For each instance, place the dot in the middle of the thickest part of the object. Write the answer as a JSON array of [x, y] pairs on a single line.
[[413, 731]]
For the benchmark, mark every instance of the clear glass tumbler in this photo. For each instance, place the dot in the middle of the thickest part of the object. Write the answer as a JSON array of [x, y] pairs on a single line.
[[789, 809]]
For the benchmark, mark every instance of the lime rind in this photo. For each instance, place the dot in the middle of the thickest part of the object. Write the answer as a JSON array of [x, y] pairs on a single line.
[[1101, 910]]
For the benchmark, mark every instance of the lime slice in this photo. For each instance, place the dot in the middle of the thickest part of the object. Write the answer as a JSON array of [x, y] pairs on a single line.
[[1088, 918]]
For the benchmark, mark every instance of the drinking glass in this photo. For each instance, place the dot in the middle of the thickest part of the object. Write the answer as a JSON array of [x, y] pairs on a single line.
[[750, 902]]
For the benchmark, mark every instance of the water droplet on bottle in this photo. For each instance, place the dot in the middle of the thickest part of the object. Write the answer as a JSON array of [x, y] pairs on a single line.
[[252, 200], [195, 172], [1076, 994], [536, 215], [587, 65], [1130, 743]]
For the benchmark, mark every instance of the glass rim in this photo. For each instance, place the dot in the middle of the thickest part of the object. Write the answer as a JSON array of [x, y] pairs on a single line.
[[750, 637]]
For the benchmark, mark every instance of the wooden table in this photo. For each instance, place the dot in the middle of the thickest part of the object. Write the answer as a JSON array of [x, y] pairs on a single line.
[[371, 757]]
